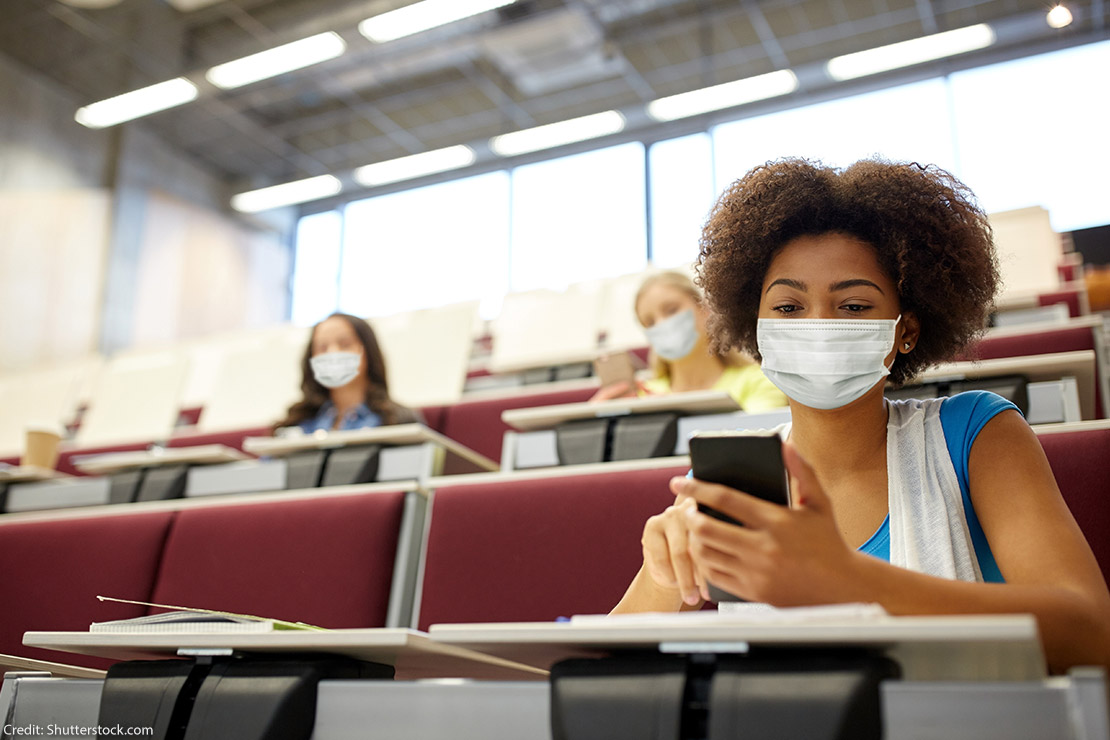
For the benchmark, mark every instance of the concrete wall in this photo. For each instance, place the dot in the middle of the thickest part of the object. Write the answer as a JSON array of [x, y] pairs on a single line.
[[110, 239]]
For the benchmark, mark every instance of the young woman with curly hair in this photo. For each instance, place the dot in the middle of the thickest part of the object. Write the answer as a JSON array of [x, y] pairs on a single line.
[[344, 381], [842, 280]]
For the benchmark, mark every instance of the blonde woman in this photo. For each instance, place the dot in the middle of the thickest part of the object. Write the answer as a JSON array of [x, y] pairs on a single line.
[[670, 308]]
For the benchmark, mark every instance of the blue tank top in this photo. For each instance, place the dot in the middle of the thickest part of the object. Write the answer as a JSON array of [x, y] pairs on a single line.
[[962, 417]]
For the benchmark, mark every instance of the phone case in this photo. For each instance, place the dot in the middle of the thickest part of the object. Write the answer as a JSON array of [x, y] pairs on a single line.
[[747, 461]]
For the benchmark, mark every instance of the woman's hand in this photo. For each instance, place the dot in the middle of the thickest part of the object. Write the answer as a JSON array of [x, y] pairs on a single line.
[[666, 548], [782, 556], [620, 389]]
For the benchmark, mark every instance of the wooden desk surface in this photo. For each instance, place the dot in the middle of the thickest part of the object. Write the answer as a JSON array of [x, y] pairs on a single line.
[[975, 647], [547, 417], [28, 474], [114, 461], [398, 434], [411, 652], [1080, 365]]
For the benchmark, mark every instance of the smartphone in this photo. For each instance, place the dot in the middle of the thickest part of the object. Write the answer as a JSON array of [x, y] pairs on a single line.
[[618, 367], [749, 461]]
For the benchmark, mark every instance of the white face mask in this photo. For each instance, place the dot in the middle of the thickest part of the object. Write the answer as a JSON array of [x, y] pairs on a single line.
[[675, 336], [825, 363], [335, 369]]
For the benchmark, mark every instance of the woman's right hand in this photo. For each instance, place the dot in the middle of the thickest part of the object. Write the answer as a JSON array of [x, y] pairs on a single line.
[[620, 389], [666, 545]]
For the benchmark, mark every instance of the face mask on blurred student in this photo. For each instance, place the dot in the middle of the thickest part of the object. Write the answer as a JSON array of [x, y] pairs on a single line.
[[675, 336], [335, 369], [825, 363]]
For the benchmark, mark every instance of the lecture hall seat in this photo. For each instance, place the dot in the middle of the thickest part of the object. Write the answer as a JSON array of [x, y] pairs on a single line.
[[324, 560], [53, 571], [1080, 460], [538, 548], [477, 423]]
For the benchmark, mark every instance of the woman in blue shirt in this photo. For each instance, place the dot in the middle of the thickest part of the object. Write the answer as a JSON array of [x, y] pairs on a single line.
[[840, 280], [344, 380]]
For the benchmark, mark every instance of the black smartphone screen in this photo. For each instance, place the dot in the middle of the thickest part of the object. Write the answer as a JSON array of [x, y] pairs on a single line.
[[751, 463]]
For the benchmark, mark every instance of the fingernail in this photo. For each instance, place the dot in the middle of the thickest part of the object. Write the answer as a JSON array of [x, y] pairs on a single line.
[[679, 482], [690, 599]]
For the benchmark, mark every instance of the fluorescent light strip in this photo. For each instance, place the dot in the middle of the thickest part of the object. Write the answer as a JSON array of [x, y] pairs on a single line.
[[276, 61], [137, 103], [727, 95], [423, 15], [557, 134], [417, 165], [907, 53], [286, 194]]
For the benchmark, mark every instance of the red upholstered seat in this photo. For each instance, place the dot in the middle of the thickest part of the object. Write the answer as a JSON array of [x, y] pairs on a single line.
[[536, 549], [478, 425], [326, 561], [1080, 461], [53, 571]]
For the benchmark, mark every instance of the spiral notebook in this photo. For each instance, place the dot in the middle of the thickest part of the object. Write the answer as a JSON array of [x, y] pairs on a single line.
[[190, 620]]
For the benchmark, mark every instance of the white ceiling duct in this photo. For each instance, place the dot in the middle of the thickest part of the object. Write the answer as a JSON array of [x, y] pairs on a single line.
[[552, 51]]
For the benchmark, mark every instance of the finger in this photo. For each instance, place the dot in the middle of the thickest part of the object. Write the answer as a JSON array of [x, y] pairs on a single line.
[[806, 492], [656, 555], [682, 565], [705, 531], [748, 509], [678, 488]]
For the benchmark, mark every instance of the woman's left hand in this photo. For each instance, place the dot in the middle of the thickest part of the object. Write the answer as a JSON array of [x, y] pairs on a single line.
[[782, 556]]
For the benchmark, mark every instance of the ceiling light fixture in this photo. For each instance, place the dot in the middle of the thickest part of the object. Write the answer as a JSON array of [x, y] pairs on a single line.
[[276, 61], [907, 53], [423, 15], [286, 194], [558, 134], [137, 103], [727, 95], [1059, 17], [416, 165]]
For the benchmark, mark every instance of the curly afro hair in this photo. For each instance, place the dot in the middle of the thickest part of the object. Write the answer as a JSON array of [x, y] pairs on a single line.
[[928, 232]]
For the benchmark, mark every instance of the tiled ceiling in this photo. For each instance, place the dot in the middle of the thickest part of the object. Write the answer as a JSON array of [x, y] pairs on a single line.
[[533, 62]]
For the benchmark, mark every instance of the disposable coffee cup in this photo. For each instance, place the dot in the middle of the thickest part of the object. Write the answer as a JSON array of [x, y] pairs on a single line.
[[41, 446]]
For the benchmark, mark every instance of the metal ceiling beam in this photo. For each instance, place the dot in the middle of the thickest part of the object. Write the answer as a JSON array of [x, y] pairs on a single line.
[[771, 46]]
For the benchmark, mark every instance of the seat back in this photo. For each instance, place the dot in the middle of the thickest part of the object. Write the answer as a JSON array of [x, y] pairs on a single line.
[[326, 561], [477, 423], [1079, 462], [53, 571], [535, 549]]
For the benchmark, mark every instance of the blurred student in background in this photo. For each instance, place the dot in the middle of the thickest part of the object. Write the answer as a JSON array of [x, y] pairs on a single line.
[[344, 381], [670, 308]]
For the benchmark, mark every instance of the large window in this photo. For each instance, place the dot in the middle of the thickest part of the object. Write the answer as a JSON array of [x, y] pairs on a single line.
[[1033, 132], [1023, 133], [316, 267], [427, 247], [579, 218], [910, 122], [681, 196]]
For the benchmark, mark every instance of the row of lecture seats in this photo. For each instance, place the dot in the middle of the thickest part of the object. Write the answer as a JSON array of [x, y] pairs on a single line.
[[475, 420], [495, 548], [248, 379]]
